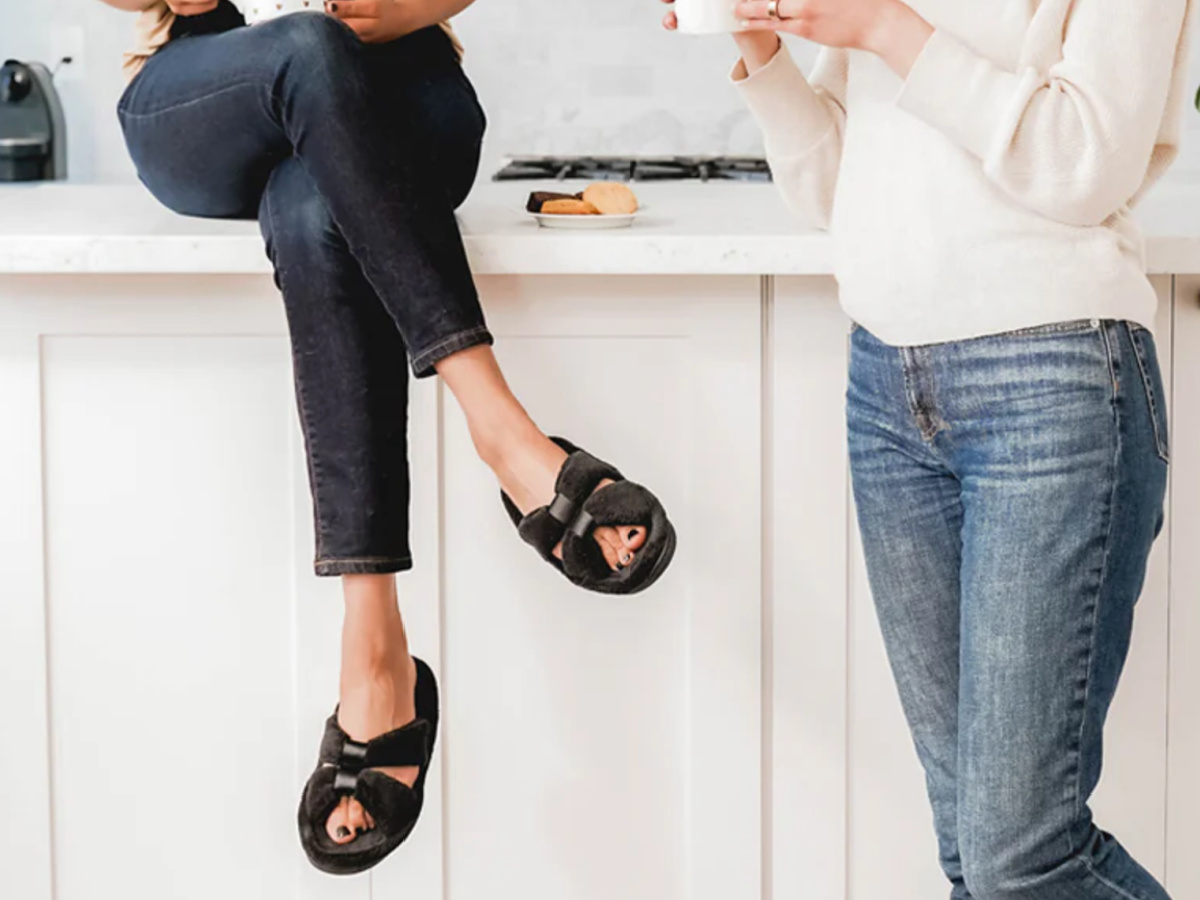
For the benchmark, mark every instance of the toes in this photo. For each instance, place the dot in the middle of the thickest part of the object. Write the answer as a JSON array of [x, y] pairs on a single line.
[[337, 825], [632, 536], [616, 554], [356, 818]]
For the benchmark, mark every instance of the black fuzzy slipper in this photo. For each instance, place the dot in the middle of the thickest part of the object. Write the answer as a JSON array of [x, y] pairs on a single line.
[[346, 768], [575, 512]]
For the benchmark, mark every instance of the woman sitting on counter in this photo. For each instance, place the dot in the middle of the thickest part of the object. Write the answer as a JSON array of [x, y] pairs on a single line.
[[1008, 441], [351, 133]]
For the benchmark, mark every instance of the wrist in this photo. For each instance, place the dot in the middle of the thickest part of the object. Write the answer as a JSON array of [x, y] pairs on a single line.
[[897, 36], [757, 48]]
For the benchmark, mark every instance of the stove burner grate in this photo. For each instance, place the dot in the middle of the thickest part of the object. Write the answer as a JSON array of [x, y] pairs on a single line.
[[623, 168]]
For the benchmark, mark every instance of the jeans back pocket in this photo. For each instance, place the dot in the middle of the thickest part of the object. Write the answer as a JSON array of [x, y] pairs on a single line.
[[1146, 354]]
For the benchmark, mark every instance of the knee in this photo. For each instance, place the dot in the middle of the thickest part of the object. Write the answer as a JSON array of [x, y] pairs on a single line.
[[1023, 869], [992, 879], [295, 221], [314, 45]]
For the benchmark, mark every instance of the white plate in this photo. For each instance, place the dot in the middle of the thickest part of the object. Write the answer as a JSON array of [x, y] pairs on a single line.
[[584, 223]]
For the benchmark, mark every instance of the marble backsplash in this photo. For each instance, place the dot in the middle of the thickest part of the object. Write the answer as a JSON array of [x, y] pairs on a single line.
[[555, 76]]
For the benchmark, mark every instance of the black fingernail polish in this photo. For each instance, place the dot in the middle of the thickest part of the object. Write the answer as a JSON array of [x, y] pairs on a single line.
[[343, 831], [633, 532], [333, 7]]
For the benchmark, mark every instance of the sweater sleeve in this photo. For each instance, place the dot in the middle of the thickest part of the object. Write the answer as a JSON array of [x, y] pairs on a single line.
[[1073, 144], [802, 122]]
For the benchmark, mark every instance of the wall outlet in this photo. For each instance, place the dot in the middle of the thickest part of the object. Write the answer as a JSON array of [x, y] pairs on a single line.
[[67, 41]]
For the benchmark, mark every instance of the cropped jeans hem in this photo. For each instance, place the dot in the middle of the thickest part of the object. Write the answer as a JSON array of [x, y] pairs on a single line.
[[369, 565], [423, 363]]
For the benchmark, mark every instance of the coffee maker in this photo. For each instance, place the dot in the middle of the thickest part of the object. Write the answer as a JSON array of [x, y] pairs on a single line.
[[33, 133]]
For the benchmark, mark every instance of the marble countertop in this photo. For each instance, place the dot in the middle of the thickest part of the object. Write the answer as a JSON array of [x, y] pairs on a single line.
[[685, 228]]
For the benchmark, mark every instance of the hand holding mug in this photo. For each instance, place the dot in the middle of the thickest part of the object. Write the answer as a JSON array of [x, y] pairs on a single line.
[[888, 28]]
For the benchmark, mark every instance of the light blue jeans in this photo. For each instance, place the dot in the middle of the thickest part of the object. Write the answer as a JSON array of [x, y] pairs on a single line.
[[1009, 489]]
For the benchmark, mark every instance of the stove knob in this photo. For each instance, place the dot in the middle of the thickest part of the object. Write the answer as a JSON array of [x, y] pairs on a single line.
[[15, 83]]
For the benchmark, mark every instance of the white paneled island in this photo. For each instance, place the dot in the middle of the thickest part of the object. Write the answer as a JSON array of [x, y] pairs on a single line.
[[167, 657]]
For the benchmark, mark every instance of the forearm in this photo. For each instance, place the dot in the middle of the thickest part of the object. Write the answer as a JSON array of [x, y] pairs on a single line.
[[898, 37], [131, 5], [757, 49], [802, 123], [1072, 142]]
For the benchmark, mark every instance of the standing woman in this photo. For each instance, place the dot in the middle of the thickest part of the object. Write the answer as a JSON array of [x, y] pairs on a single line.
[[352, 134], [1008, 442]]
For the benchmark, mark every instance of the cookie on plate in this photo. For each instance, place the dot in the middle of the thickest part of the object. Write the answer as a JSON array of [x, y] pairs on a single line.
[[538, 199], [612, 198], [569, 207]]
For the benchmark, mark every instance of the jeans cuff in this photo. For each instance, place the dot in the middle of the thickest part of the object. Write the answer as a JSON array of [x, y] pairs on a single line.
[[368, 565], [423, 362]]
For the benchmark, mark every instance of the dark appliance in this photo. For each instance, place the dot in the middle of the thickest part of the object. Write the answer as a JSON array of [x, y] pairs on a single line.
[[633, 168], [33, 134]]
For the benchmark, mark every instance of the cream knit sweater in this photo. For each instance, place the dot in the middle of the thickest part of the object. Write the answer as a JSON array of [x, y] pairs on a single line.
[[990, 190]]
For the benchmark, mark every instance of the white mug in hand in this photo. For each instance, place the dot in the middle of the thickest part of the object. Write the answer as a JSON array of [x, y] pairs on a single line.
[[707, 16], [257, 11]]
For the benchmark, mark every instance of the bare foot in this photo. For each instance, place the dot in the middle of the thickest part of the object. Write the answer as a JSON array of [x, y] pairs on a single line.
[[377, 684], [528, 470], [525, 461]]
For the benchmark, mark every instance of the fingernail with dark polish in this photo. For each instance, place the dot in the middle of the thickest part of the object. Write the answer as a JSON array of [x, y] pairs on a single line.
[[633, 532], [343, 831]]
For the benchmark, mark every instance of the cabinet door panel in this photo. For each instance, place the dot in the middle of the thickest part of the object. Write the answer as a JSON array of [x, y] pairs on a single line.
[[1183, 785], [603, 746], [808, 508]]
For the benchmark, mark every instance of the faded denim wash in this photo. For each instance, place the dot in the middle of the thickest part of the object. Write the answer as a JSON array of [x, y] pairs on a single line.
[[1009, 489]]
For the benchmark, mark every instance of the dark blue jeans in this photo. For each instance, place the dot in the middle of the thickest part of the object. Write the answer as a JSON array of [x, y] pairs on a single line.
[[353, 159], [1009, 489]]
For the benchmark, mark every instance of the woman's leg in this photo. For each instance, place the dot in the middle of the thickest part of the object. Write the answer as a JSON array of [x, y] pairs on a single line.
[[348, 352], [910, 517], [1008, 492], [351, 387], [210, 118], [1060, 443], [351, 377]]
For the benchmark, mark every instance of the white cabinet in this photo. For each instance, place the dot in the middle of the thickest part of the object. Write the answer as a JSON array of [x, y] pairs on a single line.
[[1183, 775], [168, 658], [806, 496], [598, 746]]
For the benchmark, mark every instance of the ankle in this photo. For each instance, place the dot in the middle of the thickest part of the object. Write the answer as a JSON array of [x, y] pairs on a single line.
[[503, 441], [373, 638]]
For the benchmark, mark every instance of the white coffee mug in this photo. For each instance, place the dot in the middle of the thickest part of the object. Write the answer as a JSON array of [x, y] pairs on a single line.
[[707, 16], [257, 11]]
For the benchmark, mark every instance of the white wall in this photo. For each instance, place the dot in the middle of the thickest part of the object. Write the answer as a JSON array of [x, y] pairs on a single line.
[[565, 76], [556, 76]]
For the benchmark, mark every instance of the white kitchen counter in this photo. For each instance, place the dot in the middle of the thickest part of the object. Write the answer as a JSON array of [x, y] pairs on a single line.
[[149, 437], [729, 229]]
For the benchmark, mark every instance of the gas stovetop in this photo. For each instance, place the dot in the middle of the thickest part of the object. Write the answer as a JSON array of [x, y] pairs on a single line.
[[629, 168]]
